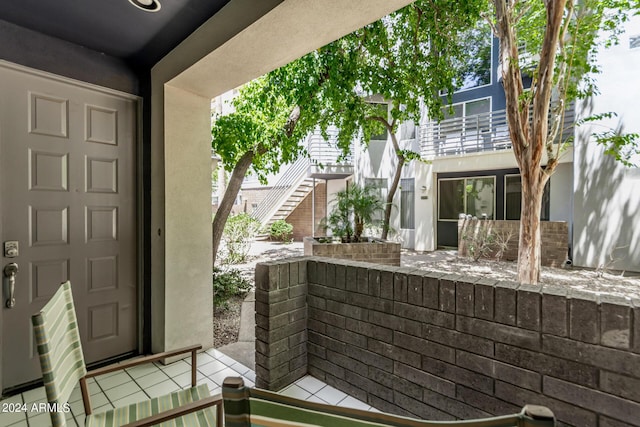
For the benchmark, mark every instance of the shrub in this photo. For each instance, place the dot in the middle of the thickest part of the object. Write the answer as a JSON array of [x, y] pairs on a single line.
[[226, 284], [281, 230], [238, 233]]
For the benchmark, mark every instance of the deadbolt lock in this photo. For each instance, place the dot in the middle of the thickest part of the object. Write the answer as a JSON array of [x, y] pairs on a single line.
[[11, 249]]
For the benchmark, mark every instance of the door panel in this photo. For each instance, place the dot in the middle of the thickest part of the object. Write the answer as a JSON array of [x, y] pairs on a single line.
[[67, 179]]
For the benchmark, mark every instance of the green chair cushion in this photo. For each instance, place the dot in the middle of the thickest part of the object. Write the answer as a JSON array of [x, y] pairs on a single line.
[[138, 411]]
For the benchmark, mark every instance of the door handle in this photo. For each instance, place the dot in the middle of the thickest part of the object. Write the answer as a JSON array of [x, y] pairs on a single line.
[[10, 272]]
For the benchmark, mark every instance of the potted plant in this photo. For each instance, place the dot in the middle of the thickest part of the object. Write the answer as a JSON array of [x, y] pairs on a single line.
[[355, 206]]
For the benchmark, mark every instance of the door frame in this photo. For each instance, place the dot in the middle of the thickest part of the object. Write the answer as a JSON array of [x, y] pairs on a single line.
[[139, 187]]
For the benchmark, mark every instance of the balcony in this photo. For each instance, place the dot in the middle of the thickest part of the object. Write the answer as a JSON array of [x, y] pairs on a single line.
[[326, 161], [474, 134]]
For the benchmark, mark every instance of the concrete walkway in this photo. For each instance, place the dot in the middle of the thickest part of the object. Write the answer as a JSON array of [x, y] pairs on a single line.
[[244, 349]]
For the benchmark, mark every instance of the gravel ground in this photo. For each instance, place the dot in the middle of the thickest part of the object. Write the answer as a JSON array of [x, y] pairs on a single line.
[[226, 322]]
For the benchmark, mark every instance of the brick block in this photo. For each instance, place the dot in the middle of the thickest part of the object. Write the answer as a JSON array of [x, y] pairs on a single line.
[[395, 353], [499, 332], [457, 408], [369, 358], [473, 362], [564, 412], [427, 315], [369, 302], [453, 338], [312, 275], [465, 296], [283, 276], [414, 289], [505, 303], [425, 379], [396, 323], [351, 279], [420, 409], [321, 272], [431, 290], [324, 366], [346, 310], [620, 385], [272, 348], [372, 331], [483, 299], [400, 286], [521, 377], [447, 293], [353, 385], [458, 375], [327, 317], [608, 422], [584, 322], [347, 363], [619, 361], [347, 337], [636, 326], [299, 290], [316, 350], [554, 314], [597, 401], [528, 307], [266, 277], [316, 302], [340, 276], [615, 323], [386, 284], [485, 402], [548, 365], [374, 282], [424, 347]]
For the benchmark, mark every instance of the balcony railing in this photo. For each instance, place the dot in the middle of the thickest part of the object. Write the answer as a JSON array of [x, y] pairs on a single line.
[[474, 134], [326, 153]]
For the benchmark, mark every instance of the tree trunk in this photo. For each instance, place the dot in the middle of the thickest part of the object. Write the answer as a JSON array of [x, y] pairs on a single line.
[[391, 195], [230, 194], [529, 248]]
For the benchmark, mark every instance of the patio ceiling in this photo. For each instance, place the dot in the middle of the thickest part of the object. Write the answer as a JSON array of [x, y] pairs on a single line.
[[114, 27]]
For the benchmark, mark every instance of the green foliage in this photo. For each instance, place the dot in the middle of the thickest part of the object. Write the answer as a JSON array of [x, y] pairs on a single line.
[[239, 231], [354, 208], [622, 146], [228, 283], [480, 241], [281, 230]]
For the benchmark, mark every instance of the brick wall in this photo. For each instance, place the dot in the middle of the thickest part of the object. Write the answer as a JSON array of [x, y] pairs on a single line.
[[445, 346], [380, 252], [301, 217], [554, 234]]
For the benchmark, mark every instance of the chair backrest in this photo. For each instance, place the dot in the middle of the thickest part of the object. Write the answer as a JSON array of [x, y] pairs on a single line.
[[61, 359], [252, 407]]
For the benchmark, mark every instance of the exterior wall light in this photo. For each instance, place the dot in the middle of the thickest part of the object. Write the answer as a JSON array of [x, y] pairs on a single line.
[[146, 5]]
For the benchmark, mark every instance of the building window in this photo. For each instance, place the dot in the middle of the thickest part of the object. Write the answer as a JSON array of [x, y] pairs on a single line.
[[513, 198], [469, 196], [634, 41], [407, 203], [380, 184], [476, 69]]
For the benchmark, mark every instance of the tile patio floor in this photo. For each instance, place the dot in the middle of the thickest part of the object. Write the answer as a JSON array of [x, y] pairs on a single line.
[[152, 380]]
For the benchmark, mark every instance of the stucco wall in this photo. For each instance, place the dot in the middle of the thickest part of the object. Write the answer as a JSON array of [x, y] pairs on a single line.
[[443, 347], [606, 201], [42, 52]]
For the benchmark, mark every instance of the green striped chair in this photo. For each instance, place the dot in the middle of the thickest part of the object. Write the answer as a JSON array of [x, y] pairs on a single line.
[[62, 363], [252, 407]]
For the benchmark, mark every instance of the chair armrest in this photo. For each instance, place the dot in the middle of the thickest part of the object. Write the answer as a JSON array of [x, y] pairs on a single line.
[[183, 410], [142, 360]]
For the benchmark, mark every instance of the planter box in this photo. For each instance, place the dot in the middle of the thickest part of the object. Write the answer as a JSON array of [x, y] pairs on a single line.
[[376, 251], [555, 238]]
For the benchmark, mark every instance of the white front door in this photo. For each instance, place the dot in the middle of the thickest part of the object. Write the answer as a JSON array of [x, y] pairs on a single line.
[[67, 187]]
